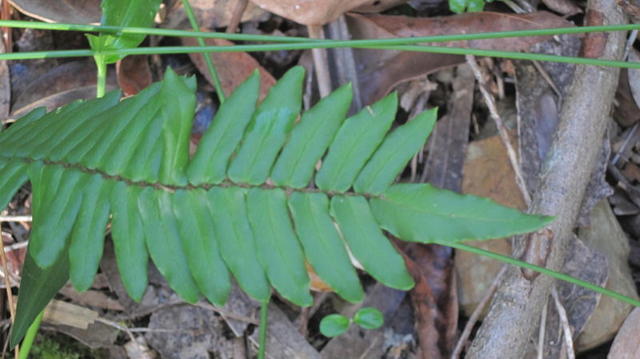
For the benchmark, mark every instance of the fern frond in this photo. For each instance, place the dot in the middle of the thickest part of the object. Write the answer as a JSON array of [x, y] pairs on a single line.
[[244, 203]]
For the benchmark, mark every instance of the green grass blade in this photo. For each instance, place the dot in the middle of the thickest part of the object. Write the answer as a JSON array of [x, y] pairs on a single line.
[[200, 245], [565, 277], [310, 139], [236, 241], [209, 164], [322, 245], [367, 243], [163, 242], [423, 213], [277, 245], [395, 152], [268, 130], [128, 239], [355, 142], [87, 237]]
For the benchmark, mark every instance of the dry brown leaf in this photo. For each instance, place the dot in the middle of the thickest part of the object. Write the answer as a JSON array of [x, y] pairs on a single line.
[[626, 345], [61, 85], [233, 67], [380, 71], [212, 13], [66, 11], [564, 7], [318, 12], [133, 74]]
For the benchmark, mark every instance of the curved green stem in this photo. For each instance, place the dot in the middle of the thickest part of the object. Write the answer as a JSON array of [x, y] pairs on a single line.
[[101, 83], [262, 334], [207, 58], [309, 45], [25, 348], [546, 271], [271, 38]]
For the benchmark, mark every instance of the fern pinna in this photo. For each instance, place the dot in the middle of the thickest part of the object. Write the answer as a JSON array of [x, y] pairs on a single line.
[[243, 204]]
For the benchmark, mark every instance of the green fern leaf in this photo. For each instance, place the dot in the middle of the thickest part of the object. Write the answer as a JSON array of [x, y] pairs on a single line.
[[242, 204]]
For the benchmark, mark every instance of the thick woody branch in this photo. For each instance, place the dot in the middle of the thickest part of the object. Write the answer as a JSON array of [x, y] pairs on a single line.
[[509, 326]]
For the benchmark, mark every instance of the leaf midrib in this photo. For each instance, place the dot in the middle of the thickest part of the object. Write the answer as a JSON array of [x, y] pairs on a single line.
[[226, 183]]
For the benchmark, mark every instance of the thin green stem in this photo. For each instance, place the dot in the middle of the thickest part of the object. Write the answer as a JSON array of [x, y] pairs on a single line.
[[546, 271], [309, 45], [270, 38], [30, 336], [101, 83], [262, 334], [207, 58]]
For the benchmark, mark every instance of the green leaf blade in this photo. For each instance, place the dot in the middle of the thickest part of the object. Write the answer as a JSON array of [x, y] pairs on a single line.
[[56, 202], [369, 318], [209, 164], [128, 239], [367, 243], [163, 242], [200, 245], [138, 13], [37, 287], [14, 175], [354, 144], [268, 130], [236, 241], [322, 245], [395, 152], [87, 237], [277, 246], [423, 213], [333, 325], [310, 139]]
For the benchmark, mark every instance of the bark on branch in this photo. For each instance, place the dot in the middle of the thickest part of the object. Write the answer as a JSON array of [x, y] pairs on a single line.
[[518, 303]]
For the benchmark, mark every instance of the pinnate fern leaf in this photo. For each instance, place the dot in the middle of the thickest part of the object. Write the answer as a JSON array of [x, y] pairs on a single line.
[[243, 205]]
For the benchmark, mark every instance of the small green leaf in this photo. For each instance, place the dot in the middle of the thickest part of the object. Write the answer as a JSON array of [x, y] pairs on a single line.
[[367, 243], [322, 245], [369, 318], [200, 245], [395, 152], [37, 287], [269, 129], [209, 165], [277, 245], [355, 142], [87, 236], [310, 139], [56, 201], [163, 242], [236, 240], [334, 324], [423, 213], [132, 13], [128, 239]]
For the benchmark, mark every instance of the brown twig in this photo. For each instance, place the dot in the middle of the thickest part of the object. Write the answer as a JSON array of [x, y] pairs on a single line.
[[236, 16], [502, 129], [320, 61], [564, 323], [473, 319]]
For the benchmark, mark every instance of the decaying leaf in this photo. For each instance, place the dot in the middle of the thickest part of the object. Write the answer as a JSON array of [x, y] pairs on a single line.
[[66, 11], [317, 12], [212, 14], [379, 71], [133, 74], [232, 67]]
